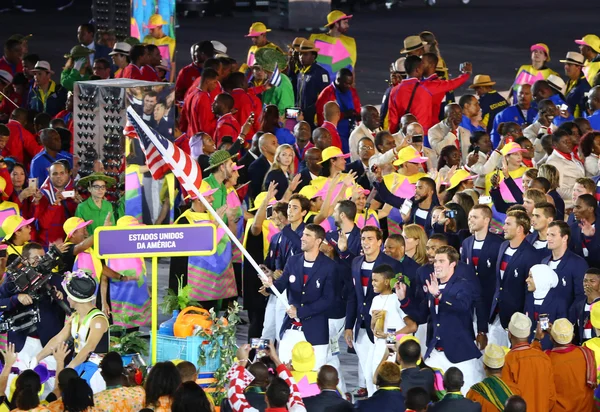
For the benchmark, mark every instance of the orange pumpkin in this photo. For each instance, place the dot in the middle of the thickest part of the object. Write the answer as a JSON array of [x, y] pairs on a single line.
[[186, 321]]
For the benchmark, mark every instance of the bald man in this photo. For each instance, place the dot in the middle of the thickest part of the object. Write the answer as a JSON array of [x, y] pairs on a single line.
[[414, 137], [332, 115], [322, 138], [312, 167], [328, 399], [368, 127], [267, 144]]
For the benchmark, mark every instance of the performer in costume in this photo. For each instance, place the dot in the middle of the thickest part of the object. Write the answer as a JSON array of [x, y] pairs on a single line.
[[336, 50]]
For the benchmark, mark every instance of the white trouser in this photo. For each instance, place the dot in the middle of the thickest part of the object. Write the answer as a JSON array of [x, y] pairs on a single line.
[[421, 334], [289, 340], [472, 369], [31, 348], [336, 327], [497, 334], [375, 357], [362, 346], [269, 325]]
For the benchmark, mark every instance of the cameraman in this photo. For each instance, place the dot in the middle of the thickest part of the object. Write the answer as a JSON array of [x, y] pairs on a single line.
[[52, 317]]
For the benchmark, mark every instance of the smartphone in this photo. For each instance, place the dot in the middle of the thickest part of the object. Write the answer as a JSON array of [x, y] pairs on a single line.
[[260, 344], [292, 113], [544, 321], [406, 207], [33, 182], [269, 211], [450, 214], [68, 193], [476, 149], [485, 200], [391, 336], [417, 138]]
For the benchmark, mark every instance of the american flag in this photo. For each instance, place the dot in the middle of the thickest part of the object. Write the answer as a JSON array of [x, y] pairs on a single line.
[[276, 77], [163, 156]]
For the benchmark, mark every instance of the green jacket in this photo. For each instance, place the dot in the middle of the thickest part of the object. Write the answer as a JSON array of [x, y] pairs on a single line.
[[282, 96], [70, 76]]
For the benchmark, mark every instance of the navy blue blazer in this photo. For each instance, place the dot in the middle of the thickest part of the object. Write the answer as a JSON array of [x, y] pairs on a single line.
[[576, 245], [570, 271], [305, 179], [273, 251], [383, 400], [256, 172], [455, 405], [410, 270], [354, 246], [325, 401], [552, 305], [452, 326], [290, 245], [486, 266], [532, 238], [577, 317], [361, 175], [359, 305], [509, 296], [313, 300]]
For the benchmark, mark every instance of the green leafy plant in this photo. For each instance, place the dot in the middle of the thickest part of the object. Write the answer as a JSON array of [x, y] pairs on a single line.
[[222, 343], [180, 300], [127, 342]]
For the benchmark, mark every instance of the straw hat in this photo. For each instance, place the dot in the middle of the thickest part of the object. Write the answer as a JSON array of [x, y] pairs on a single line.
[[155, 21], [482, 80], [412, 43], [336, 16], [574, 58]]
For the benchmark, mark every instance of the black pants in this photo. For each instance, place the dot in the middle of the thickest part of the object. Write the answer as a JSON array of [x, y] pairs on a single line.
[[256, 316]]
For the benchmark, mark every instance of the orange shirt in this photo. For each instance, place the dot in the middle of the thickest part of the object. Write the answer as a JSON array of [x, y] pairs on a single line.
[[487, 406], [530, 369], [164, 404], [572, 392], [121, 399]]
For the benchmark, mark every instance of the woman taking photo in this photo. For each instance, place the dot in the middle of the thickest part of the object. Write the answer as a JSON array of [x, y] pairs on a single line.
[[270, 124]]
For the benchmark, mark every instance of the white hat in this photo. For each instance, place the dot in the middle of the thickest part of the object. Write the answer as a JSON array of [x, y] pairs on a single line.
[[398, 65], [562, 331], [6, 76], [42, 65], [520, 325], [219, 47], [493, 356], [556, 83], [574, 58], [120, 48]]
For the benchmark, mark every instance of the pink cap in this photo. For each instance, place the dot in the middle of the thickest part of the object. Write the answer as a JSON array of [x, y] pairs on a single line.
[[79, 226], [237, 167]]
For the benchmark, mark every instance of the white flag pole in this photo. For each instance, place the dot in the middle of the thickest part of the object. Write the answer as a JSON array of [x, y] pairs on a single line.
[[189, 186]]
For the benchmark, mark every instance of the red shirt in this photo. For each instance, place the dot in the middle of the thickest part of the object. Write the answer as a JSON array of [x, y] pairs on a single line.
[[185, 80], [328, 95], [7, 66], [335, 136], [132, 72], [149, 74], [50, 219], [7, 107], [246, 102], [67, 117], [227, 125], [200, 117], [22, 145]]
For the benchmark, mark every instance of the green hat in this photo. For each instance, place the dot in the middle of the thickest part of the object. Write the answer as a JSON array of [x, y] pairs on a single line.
[[86, 181], [20, 37], [78, 52], [267, 58], [132, 41], [218, 158]]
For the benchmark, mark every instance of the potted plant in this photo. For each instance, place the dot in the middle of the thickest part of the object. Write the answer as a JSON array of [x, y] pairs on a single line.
[[127, 342], [219, 349], [180, 300]]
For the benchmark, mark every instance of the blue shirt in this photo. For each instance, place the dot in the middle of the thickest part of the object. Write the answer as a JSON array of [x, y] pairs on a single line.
[[466, 123], [284, 136], [594, 119], [42, 162]]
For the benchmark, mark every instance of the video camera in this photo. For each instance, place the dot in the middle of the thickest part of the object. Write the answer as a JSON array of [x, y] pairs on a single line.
[[34, 282]]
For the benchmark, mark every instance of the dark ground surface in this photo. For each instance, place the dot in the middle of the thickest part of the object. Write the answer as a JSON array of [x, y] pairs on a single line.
[[494, 34]]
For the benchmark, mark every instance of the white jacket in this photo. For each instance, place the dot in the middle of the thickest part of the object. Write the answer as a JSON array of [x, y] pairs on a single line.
[[569, 171], [441, 136]]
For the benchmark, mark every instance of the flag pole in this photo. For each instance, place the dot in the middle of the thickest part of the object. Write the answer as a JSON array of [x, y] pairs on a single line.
[[190, 187]]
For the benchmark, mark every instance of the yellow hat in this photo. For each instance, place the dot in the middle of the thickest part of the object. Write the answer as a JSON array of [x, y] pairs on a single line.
[[155, 21], [74, 223], [520, 325], [128, 220], [409, 337], [12, 224], [296, 43], [482, 80], [510, 148], [336, 16], [205, 190], [260, 198], [303, 357], [590, 40], [257, 29], [309, 191], [409, 154], [542, 47], [460, 176], [2, 184], [331, 152], [562, 331], [493, 357], [595, 315]]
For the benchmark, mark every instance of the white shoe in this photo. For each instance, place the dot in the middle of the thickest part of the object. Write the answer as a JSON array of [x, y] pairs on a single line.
[[66, 6]]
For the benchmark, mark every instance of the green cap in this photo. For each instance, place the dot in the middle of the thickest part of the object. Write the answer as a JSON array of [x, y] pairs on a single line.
[[78, 52], [218, 158], [132, 41], [267, 57]]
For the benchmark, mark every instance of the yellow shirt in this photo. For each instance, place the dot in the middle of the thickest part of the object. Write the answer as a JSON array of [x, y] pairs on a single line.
[[169, 41], [515, 174], [527, 74], [590, 70]]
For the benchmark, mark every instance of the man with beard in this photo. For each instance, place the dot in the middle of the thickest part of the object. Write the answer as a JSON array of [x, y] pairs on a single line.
[[515, 257], [335, 42], [221, 169], [313, 159]]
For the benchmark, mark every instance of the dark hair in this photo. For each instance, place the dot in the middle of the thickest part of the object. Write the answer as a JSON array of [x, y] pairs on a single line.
[[136, 52], [446, 151], [547, 207], [278, 393], [4, 131], [19, 79], [212, 63], [429, 182], [545, 183], [417, 398], [42, 120], [411, 63], [270, 119], [397, 237], [461, 215], [344, 72], [206, 47], [515, 404], [409, 351], [11, 44], [522, 219], [65, 138], [464, 100], [151, 48], [439, 236], [162, 380], [487, 212], [317, 230], [208, 74], [27, 388], [304, 202], [453, 379], [557, 135], [385, 270], [379, 138], [449, 251], [564, 228], [347, 207], [31, 246], [56, 123], [104, 62], [227, 101], [78, 396], [432, 58], [65, 377], [587, 142], [507, 127], [235, 80], [593, 271], [190, 397], [590, 201], [465, 201], [280, 207], [568, 127], [368, 228], [112, 366], [89, 27], [31, 58]]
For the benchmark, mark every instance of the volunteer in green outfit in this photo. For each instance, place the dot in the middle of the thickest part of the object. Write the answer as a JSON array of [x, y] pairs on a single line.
[[221, 169], [96, 208]]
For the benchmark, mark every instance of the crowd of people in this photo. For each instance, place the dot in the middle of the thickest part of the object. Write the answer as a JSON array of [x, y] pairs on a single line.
[[450, 243]]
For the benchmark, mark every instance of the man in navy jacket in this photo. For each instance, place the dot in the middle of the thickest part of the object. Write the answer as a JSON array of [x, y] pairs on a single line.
[[580, 310], [449, 310], [307, 278], [358, 332], [585, 239], [515, 257]]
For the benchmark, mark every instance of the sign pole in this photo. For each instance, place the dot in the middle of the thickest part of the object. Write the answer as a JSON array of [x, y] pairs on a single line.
[[154, 307]]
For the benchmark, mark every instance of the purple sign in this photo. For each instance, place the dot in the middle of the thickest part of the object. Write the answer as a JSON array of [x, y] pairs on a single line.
[[155, 241]]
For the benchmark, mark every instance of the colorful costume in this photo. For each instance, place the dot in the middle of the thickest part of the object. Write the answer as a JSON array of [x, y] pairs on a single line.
[[335, 53]]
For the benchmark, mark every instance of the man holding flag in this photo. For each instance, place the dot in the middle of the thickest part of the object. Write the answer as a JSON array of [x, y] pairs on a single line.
[[274, 63]]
